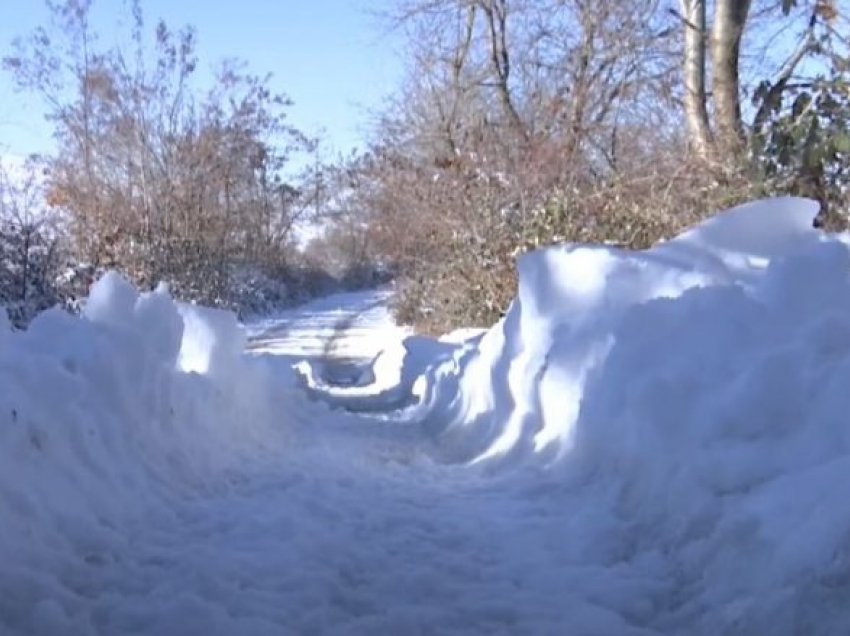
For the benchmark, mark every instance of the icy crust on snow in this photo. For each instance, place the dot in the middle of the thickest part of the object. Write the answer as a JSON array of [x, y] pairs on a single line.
[[697, 394], [107, 419]]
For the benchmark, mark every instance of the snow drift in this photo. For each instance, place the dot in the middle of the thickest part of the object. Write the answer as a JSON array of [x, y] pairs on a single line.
[[649, 443], [524, 388], [110, 418], [693, 401]]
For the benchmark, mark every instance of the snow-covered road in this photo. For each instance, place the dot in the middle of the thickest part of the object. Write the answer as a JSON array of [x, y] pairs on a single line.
[[327, 523], [358, 539], [354, 529], [349, 325], [648, 443]]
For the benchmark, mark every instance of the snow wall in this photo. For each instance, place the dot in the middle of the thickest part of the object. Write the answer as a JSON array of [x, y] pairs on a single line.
[[692, 401], [110, 417], [605, 349]]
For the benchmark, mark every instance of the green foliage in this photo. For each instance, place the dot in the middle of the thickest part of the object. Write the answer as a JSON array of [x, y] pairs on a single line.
[[800, 143], [805, 147]]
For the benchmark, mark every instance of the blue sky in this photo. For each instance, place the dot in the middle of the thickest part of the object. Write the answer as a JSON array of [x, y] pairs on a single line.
[[334, 58]]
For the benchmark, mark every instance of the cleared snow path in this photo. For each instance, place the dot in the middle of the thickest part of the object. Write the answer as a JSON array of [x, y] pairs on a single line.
[[327, 545], [336, 524], [349, 528], [648, 443]]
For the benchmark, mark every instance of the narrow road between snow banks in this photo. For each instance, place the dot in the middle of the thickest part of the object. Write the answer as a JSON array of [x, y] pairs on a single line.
[[229, 500], [359, 531], [648, 443], [350, 528]]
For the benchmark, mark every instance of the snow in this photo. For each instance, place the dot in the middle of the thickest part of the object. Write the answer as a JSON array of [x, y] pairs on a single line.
[[345, 348], [696, 393], [353, 325], [648, 443]]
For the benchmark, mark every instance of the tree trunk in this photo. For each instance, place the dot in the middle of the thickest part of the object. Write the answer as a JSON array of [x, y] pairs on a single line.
[[26, 263], [699, 131], [496, 12], [730, 17]]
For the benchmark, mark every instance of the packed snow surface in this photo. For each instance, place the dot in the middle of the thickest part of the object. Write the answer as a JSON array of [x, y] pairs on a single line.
[[649, 442]]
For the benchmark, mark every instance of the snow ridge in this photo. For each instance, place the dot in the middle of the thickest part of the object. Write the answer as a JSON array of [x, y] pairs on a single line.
[[648, 443], [696, 395]]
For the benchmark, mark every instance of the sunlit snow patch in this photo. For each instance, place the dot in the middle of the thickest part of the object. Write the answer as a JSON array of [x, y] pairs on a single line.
[[520, 393]]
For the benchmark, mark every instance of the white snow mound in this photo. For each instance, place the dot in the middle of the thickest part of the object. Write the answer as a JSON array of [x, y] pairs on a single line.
[[521, 388], [696, 395], [649, 442], [110, 418]]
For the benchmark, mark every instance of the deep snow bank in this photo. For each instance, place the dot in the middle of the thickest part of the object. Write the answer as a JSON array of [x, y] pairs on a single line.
[[111, 416], [522, 388], [696, 395]]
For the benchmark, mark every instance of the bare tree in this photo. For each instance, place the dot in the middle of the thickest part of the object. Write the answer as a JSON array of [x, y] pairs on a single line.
[[30, 244], [694, 74], [510, 105], [496, 15], [158, 178], [730, 17]]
